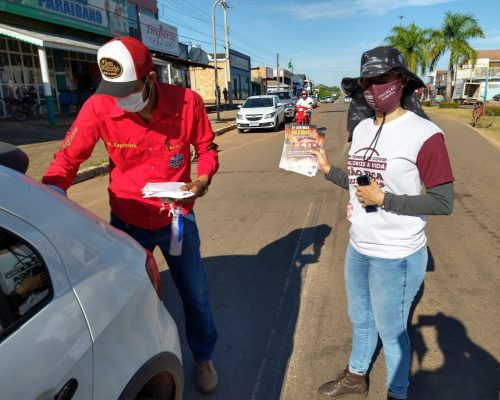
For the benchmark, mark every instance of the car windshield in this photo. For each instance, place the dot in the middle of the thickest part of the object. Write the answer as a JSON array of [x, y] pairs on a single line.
[[284, 96], [258, 102]]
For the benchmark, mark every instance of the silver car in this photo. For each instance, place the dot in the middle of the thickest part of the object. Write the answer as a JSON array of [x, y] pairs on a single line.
[[81, 314]]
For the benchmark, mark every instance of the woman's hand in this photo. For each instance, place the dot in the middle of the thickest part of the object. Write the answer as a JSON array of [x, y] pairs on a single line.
[[370, 195], [323, 163]]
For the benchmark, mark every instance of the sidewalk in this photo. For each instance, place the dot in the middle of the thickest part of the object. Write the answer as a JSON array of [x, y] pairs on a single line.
[[40, 142]]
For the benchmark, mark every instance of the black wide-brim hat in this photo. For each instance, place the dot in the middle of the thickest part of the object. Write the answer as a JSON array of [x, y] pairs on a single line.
[[376, 62]]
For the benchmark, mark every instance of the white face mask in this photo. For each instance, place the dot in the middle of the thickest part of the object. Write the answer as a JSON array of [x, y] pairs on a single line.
[[133, 102]]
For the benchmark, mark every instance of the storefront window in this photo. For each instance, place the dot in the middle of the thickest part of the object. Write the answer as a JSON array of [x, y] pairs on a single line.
[[26, 47], [13, 45], [20, 69]]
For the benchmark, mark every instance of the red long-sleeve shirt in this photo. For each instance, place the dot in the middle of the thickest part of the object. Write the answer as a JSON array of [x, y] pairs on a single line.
[[139, 151]]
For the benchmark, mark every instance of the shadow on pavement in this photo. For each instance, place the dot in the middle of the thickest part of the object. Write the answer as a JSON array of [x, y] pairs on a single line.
[[467, 372], [255, 300]]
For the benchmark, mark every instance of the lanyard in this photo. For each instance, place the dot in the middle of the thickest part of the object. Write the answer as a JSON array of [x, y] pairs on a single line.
[[176, 230]]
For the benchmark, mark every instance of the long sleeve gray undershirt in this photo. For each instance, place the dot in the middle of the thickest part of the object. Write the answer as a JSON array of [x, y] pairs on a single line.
[[437, 200]]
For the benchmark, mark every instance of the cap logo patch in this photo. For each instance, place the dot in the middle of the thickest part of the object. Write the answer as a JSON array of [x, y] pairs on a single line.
[[110, 68]]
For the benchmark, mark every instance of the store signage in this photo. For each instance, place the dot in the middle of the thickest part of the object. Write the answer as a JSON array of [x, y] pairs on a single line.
[[159, 36], [105, 17]]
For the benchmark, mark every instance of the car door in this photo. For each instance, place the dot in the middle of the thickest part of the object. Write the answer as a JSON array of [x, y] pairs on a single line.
[[280, 109], [45, 345]]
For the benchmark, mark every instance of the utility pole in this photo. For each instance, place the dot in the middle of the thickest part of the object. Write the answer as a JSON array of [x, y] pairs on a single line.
[[214, 38], [277, 70], [228, 65], [486, 82]]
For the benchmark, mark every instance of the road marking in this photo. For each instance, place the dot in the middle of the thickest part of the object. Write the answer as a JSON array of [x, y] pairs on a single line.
[[310, 222]]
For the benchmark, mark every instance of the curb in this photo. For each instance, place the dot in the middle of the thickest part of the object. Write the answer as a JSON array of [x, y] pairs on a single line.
[[103, 169]]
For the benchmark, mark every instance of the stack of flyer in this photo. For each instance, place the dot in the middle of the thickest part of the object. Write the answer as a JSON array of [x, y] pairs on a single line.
[[296, 156], [165, 190]]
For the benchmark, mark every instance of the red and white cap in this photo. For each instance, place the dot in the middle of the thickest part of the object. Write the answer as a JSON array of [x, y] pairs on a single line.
[[123, 62]]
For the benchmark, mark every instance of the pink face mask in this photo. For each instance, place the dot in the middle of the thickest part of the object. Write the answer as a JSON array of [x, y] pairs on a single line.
[[384, 97]]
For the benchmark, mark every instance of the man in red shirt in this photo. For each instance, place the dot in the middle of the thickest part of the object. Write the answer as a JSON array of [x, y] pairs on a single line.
[[148, 127]]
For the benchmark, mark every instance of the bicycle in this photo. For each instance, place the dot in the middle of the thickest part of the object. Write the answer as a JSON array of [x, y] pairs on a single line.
[[481, 116]]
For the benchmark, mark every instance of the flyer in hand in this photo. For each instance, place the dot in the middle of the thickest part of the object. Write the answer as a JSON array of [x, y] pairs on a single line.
[[299, 140]]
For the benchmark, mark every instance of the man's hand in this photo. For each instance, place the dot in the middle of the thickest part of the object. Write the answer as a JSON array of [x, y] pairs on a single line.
[[199, 187], [31, 283]]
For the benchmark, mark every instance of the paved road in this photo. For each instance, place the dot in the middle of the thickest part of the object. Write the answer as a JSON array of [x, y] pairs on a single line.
[[273, 244]]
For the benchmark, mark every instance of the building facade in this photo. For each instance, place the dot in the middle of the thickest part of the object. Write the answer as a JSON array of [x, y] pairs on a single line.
[[486, 72], [239, 77], [37, 57]]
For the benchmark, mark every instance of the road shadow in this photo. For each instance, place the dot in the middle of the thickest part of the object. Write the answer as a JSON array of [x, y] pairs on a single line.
[[332, 111], [255, 301], [467, 372], [223, 120], [34, 130]]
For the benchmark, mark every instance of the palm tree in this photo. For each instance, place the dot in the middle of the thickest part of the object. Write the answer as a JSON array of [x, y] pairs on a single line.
[[452, 36], [412, 42]]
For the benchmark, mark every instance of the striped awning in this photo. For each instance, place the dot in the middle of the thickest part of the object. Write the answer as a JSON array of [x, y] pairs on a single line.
[[49, 40]]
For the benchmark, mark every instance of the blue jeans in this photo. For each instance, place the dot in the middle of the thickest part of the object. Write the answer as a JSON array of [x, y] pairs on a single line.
[[189, 277], [380, 292]]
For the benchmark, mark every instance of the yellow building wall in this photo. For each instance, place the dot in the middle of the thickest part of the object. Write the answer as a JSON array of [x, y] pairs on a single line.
[[203, 82]]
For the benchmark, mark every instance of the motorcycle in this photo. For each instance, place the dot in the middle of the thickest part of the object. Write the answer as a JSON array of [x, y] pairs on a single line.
[[26, 105], [302, 115]]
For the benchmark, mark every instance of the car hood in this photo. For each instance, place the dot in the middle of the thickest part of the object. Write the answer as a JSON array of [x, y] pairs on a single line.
[[258, 110]]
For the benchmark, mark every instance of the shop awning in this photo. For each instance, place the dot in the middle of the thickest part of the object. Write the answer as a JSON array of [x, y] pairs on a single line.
[[180, 61], [53, 41], [49, 40]]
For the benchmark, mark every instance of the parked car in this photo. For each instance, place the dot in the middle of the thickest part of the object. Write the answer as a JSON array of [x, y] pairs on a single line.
[[496, 97], [81, 314], [438, 98], [261, 112], [347, 99], [328, 99], [287, 100]]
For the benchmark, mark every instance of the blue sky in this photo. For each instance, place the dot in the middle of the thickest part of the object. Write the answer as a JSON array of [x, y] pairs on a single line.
[[323, 38]]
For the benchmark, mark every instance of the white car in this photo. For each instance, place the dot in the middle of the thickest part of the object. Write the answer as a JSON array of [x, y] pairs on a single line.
[[261, 112], [81, 314]]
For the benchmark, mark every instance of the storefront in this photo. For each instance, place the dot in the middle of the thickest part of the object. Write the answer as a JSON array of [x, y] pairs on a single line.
[[36, 58], [62, 69]]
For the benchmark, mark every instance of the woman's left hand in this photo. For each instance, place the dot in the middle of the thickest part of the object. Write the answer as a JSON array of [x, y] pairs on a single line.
[[370, 195]]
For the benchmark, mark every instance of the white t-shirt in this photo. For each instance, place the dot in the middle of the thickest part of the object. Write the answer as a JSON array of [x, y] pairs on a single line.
[[407, 156], [308, 102]]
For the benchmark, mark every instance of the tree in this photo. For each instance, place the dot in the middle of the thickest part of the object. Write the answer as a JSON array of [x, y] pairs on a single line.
[[412, 42], [452, 36], [325, 91]]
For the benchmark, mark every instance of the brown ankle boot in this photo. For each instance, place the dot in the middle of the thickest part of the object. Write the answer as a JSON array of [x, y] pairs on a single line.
[[206, 377], [345, 384]]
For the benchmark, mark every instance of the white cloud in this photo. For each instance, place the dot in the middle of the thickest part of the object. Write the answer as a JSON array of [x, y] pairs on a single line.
[[351, 8]]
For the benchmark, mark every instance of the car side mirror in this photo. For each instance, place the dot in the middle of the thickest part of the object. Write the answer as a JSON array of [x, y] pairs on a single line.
[[279, 104], [239, 105]]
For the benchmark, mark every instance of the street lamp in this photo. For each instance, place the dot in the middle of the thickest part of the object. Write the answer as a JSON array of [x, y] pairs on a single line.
[[217, 105]]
